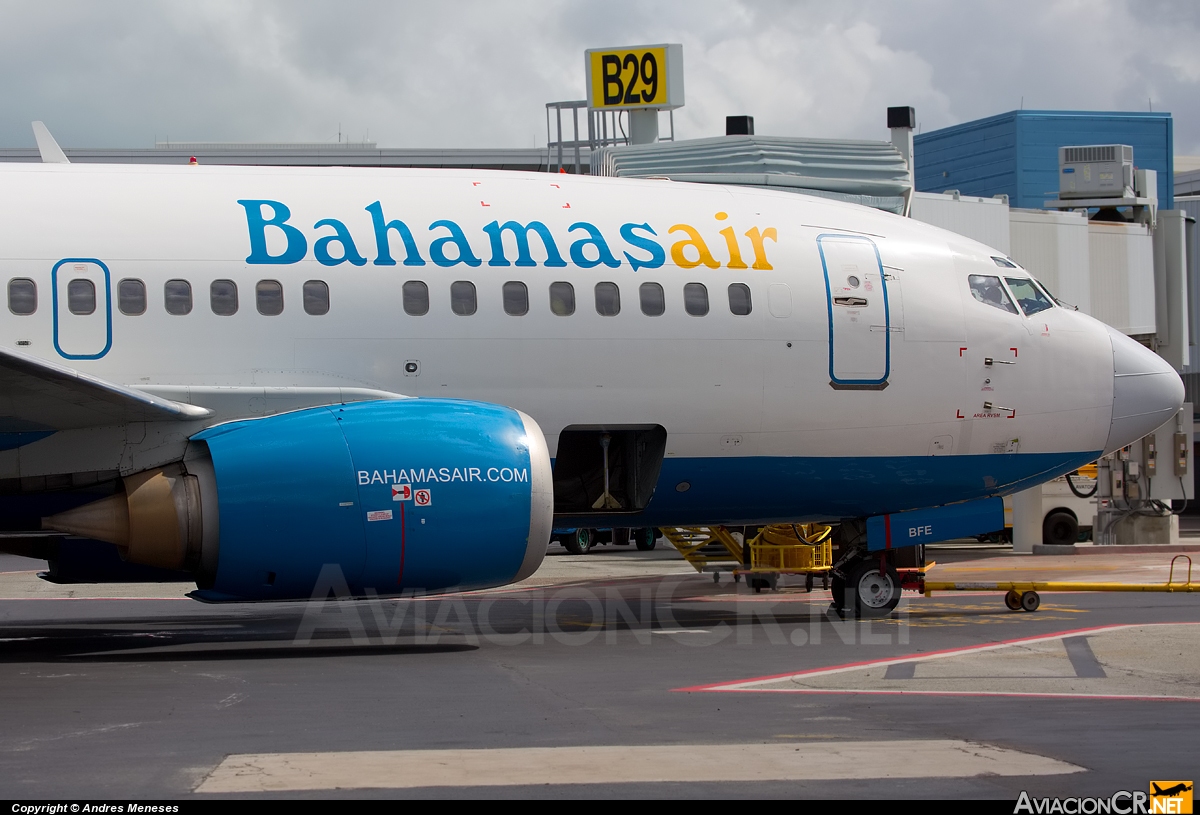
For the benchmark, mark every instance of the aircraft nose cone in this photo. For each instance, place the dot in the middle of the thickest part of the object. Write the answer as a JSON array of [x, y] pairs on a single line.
[[1146, 391]]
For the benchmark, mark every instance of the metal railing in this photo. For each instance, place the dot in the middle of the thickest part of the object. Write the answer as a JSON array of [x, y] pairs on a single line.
[[604, 128]]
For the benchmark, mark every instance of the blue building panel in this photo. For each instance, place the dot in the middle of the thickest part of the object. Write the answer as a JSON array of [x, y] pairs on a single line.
[[1016, 153]]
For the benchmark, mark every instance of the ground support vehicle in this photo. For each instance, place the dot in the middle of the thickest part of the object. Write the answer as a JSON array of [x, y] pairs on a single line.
[[581, 540]]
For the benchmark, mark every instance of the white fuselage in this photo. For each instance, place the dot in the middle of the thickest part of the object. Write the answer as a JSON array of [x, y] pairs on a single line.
[[847, 373]]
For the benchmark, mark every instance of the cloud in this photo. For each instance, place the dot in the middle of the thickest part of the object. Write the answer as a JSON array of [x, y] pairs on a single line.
[[480, 73]]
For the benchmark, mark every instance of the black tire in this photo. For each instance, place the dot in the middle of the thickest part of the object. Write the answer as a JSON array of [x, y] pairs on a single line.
[[1030, 601], [1013, 600], [644, 538], [620, 536], [876, 593], [837, 589], [579, 542], [1060, 529]]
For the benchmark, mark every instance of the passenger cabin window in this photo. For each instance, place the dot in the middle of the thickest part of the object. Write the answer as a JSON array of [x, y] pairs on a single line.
[[22, 295], [316, 297], [177, 297], [81, 296], [608, 299], [1029, 297], [654, 302], [987, 289], [516, 298], [223, 297], [131, 297], [462, 298], [416, 298], [695, 299], [268, 296], [739, 299], [562, 298]]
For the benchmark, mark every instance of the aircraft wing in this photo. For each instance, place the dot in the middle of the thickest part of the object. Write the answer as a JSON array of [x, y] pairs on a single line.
[[37, 396]]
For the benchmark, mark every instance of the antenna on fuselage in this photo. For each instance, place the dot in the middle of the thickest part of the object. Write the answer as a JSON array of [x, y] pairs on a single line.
[[47, 146]]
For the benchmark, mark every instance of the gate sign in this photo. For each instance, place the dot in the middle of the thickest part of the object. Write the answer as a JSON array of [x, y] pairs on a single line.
[[640, 76]]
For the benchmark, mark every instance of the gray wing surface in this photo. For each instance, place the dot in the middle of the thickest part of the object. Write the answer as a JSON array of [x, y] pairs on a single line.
[[37, 395]]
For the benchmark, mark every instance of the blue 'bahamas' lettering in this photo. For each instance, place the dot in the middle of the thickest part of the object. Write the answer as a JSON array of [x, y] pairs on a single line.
[[521, 233], [383, 251], [297, 246], [437, 249], [342, 236], [603, 254], [657, 255]]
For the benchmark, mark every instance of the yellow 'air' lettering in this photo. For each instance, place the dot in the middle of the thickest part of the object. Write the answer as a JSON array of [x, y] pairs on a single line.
[[695, 240], [760, 252], [735, 253]]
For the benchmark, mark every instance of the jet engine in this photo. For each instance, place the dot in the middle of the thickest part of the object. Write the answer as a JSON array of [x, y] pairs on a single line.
[[415, 494]]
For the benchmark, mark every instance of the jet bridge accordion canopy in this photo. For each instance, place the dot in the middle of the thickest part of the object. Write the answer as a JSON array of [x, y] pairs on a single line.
[[872, 173]]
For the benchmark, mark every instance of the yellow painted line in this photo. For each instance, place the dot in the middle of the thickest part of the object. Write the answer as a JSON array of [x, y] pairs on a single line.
[[520, 766]]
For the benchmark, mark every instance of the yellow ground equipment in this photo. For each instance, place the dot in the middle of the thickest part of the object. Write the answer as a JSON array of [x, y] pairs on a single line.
[[707, 548], [778, 549], [790, 549], [1022, 595]]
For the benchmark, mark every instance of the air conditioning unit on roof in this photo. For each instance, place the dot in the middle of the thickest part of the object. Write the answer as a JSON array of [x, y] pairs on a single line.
[[1095, 171]]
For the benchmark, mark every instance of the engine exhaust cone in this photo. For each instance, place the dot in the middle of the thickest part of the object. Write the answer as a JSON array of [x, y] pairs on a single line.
[[104, 520]]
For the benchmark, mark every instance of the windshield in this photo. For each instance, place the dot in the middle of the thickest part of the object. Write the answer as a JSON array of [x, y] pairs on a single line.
[[1029, 296], [987, 289]]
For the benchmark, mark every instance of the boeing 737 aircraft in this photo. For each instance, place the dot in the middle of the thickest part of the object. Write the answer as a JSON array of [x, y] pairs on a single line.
[[213, 368]]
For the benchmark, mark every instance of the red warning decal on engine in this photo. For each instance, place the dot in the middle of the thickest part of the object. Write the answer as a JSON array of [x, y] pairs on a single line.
[[379, 515]]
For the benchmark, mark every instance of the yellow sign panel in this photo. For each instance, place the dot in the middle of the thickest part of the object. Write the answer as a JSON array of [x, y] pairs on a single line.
[[633, 77]]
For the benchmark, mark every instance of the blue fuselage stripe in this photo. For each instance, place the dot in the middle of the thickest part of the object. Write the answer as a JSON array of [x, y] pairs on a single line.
[[752, 490]]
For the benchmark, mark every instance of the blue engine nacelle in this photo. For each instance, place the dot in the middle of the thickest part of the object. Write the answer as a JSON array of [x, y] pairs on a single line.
[[414, 494]]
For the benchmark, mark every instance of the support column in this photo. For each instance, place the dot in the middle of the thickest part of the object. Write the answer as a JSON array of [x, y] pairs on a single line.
[[1027, 520], [643, 126]]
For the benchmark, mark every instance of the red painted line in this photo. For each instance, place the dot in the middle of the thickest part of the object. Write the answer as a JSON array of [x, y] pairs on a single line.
[[1014, 350], [724, 686], [400, 576], [482, 204], [960, 350], [566, 205], [94, 599], [964, 693], [958, 414]]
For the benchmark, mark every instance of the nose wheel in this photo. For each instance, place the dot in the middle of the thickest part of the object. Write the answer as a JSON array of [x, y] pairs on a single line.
[[876, 589]]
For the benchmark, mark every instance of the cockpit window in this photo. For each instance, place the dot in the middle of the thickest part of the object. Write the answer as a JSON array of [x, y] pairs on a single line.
[[987, 289], [1029, 296], [1004, 263]]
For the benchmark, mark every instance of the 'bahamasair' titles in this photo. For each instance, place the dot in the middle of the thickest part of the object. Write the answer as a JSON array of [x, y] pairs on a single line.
[[641, 246]]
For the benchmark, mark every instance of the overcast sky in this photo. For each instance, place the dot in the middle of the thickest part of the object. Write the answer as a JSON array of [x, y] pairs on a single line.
[[478, 74]]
